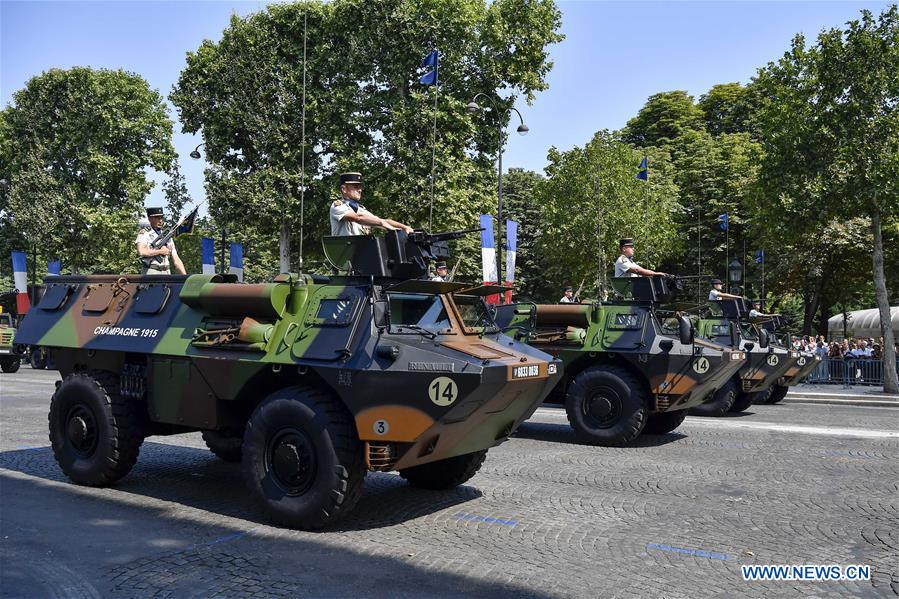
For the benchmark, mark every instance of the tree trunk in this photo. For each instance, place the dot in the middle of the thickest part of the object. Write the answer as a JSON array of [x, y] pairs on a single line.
[[811, 306], [824, 315], [890, 380]]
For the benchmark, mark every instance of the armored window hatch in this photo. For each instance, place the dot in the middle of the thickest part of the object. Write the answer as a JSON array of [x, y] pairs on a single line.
[[55, 297]]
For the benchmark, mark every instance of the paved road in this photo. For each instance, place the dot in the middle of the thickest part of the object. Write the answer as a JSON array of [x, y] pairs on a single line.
[[674, 516]]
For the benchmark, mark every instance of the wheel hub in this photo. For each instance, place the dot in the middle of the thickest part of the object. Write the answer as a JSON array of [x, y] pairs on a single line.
[[603, 409], [292, 462], [600, 407], [81, 430]]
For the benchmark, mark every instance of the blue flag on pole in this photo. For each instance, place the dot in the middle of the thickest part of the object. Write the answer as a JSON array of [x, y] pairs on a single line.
[[759, 256], [643, 175], [431, 60], [723, 220]]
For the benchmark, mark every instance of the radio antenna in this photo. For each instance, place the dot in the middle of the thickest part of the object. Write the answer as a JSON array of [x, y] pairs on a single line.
[[303, 142]]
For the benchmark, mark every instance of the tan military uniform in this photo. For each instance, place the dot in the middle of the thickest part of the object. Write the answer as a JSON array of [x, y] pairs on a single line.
[[341, 226], [157, 265], [623, 266]]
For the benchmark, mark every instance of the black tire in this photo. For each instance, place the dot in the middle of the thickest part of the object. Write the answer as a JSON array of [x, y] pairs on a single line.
[[761, 397], [445, 474], [778, 392], [302, 458], [720, 403], [743, 401], [95, 433], [37, 357], [606, 405], [225, 446], [10, 366], [664, 422]]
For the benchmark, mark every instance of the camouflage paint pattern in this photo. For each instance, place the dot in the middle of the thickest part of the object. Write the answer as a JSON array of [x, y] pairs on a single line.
[[203, 350]]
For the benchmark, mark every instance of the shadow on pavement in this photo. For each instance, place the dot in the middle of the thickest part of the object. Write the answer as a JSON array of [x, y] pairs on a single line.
[[563, 433], [68, 541]]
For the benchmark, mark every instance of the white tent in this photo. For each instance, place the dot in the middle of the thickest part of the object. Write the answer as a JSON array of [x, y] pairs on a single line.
[[861, 323]]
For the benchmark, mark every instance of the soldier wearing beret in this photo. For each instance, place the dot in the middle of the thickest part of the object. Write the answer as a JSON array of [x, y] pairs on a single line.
[[442, 272], [349, 217], [157, 261], [625, 265]]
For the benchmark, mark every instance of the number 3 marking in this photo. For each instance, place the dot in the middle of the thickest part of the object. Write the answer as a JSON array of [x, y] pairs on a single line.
[[381, 427], [443, 391]]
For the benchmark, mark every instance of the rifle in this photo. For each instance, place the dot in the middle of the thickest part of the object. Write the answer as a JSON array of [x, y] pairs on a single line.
[[455, 268], [424, 238], [577, 294], [172, 232]]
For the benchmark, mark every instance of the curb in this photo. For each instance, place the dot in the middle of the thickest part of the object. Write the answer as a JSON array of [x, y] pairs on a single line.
[[834, 401]]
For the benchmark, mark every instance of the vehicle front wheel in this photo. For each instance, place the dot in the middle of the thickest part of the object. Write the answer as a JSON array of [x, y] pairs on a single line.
[[664, 422], [10, 366], [445, 474], [606, 406], [302, 457], [743, 401], [37, 357], [762, 397], [95, 433], [720, 402]]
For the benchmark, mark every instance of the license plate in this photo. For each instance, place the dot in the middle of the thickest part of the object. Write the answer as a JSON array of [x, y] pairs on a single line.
[[525, 372]]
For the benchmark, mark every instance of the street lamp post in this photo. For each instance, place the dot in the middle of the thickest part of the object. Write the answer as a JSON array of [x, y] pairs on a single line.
[[522, 129], [735, 270]]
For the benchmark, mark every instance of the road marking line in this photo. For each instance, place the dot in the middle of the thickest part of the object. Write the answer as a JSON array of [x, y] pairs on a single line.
[[792, 428]]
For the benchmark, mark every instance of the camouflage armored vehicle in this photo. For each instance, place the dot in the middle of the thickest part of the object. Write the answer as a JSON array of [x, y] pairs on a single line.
[[802, 366], [728, 324], [10, 360], [627, 371], [310, 381]]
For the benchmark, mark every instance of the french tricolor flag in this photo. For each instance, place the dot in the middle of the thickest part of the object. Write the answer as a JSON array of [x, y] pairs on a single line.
[[53, 267], [237, 260], [488, 257], [20, 280], [207, 253]]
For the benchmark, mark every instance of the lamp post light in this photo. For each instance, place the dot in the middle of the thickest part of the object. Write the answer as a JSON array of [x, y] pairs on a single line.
[[473, 107], [196, 152], [735, 270]]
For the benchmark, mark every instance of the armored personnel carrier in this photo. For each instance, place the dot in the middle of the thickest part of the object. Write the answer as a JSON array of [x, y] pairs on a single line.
[[728, 323], [627, 371], [802, 366], [309, 381]]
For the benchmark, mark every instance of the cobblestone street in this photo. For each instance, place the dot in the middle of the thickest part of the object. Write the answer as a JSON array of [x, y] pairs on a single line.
[[674, 516]]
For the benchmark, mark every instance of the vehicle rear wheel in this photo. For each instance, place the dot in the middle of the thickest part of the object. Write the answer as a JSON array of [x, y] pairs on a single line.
[[606, 406], [445, 474], [302, 457], [37, 357], [721, 401], [10, 366], [778, 392], [664, 422], [224, 445], [743, 401], [95, 433]]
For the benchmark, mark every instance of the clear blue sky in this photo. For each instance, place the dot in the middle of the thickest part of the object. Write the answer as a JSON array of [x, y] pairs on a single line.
[[614, 56]]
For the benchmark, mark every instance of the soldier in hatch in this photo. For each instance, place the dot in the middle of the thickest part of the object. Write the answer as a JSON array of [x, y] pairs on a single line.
[[349, 217]]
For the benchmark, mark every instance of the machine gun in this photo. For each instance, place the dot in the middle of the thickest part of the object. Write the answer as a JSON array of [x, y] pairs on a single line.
[[185, 225], [396, 255]]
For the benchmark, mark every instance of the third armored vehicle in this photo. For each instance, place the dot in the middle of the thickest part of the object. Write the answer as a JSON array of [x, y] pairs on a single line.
[[10, 360], [310, 381], [626, 370]]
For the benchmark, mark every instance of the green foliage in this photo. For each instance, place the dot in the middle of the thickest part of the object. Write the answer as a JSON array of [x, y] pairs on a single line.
[[75, 146], [590, 199], [364, 109], [726, 108], [665, 117], [521, 204]]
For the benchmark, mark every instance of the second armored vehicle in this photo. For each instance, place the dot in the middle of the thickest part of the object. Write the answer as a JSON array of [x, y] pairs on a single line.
[[10, 360]]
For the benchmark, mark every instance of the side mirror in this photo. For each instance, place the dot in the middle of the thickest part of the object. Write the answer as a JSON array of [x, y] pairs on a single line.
[[381, 313], [763, 338], [685, 330]]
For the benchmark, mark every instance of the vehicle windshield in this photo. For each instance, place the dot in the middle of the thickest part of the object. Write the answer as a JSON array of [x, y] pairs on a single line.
[[6, 320], [411, 312], [476, 315]]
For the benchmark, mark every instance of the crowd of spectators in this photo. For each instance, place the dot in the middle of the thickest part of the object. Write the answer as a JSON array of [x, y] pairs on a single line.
[[847, 349]]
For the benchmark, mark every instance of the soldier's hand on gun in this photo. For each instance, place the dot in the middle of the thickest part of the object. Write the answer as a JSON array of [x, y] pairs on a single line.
[[388, 226], [408, 229], [163, 251]]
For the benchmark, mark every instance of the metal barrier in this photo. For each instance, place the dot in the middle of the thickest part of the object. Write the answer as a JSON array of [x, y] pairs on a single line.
[[854, 371]]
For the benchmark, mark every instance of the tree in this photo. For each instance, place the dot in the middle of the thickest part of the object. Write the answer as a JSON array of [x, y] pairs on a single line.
[[520, 204], [829, 120], [75, 146], [365, 109], [592, 198], [726, 108], [665, 117]]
